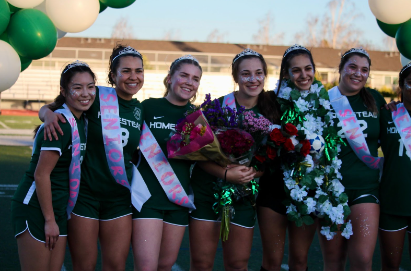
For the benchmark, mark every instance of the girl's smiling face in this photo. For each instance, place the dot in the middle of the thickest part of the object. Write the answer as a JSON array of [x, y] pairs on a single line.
[[251, 77], [301, 72]]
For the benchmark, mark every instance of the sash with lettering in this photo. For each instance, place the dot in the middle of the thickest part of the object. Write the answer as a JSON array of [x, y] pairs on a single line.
[[111, 129], [229, 101], [75, 167], [163, 170], [352, 130], [402, 121]]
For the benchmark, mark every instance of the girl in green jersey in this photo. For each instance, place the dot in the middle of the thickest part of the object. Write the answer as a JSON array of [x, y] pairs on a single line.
[[39, 206], [297, 66], [249, 71], [395, 217], [103, 209], [159, 227], [360, 181]]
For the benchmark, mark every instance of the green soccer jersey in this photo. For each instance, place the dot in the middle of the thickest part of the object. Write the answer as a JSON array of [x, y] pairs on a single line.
[[59, 177], [356, 174], [96, 177], [396, 180], [161, 116], [203, 182]]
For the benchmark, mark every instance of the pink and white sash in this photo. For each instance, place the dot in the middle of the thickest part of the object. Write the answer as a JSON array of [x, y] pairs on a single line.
[[75, 167], [229, 101], [111, 129], [352, 130], [402, 121], [163, 170]]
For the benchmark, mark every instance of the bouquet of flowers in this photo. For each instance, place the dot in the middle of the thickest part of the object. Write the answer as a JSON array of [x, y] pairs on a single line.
[[238, 146], [192, 134], [314, 183]]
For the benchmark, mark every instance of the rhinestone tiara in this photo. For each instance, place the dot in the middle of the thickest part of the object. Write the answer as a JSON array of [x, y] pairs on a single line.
[[405, 67], [246, 52], [295, 47], [129, 51], [76, 63], [189, 57], [356, 50]]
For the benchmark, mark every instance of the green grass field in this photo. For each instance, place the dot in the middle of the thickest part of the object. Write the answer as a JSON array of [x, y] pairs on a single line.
[[13, 163], [19, 122]]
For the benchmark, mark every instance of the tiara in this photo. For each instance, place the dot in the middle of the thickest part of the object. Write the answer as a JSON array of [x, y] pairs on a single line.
[[405, 67], [76, 63], [356, 50], [189, 57], [295, 47], [129, 51], [246, 52]]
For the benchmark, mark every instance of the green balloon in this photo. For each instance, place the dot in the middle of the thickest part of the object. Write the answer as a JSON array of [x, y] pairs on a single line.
[[13, 9], [32, 34], [4, 15], [389, 29], [117, 3], [25, 62], [5, 37], [102, 7], [403, 39]]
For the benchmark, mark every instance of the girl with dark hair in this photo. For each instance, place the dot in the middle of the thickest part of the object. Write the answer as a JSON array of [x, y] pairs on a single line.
[[158, 228], [297, 70], [47, 193], [249, 71], [395, 181], [103, 210], [358, 111]]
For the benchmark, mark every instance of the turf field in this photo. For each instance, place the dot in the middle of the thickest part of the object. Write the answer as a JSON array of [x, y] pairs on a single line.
[[13, 163], [19, 122]]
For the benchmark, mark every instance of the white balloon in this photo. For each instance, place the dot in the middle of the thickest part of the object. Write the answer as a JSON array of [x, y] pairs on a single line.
[[404, 60], [10, 66], [42, 8], [392, 11], [25, 3], [73, 15]]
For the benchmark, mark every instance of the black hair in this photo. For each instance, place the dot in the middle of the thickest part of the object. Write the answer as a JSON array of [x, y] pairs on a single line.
[[115, 61]]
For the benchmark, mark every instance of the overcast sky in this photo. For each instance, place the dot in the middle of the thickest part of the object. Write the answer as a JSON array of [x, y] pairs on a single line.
[[237, 20]]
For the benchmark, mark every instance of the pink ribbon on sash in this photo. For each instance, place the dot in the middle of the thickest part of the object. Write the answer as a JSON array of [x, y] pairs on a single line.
[[163, 170], [351, 129], [402, 121]]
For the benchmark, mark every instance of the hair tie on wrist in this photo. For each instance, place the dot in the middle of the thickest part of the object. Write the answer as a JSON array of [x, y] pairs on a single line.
[[225, 175]]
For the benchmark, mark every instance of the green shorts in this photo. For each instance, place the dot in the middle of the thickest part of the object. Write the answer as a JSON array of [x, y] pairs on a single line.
[[88, 206], [394, 222], [357, 196], [25, 217], [173, 217], [244, 216]]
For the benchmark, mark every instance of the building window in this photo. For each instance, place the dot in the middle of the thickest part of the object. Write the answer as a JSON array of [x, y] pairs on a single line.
[[324, 76], [395, 80], [387, 80]]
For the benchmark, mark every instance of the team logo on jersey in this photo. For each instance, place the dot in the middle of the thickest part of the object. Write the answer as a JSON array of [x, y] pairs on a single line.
[[137, 113]]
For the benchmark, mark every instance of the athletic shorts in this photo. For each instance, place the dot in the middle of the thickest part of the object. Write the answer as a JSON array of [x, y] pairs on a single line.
[[394, 222], [357, 196], [173, 217], [244, 216], [25, 217], [89, 207]]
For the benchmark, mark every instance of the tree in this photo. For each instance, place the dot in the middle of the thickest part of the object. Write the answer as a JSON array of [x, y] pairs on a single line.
[[264, 35], [335, 29], [171, 35], [122, 29], [216, 36]]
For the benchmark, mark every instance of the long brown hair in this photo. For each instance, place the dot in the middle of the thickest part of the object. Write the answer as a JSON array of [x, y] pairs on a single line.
[[365, 95], [404, 73], [267, 101]]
